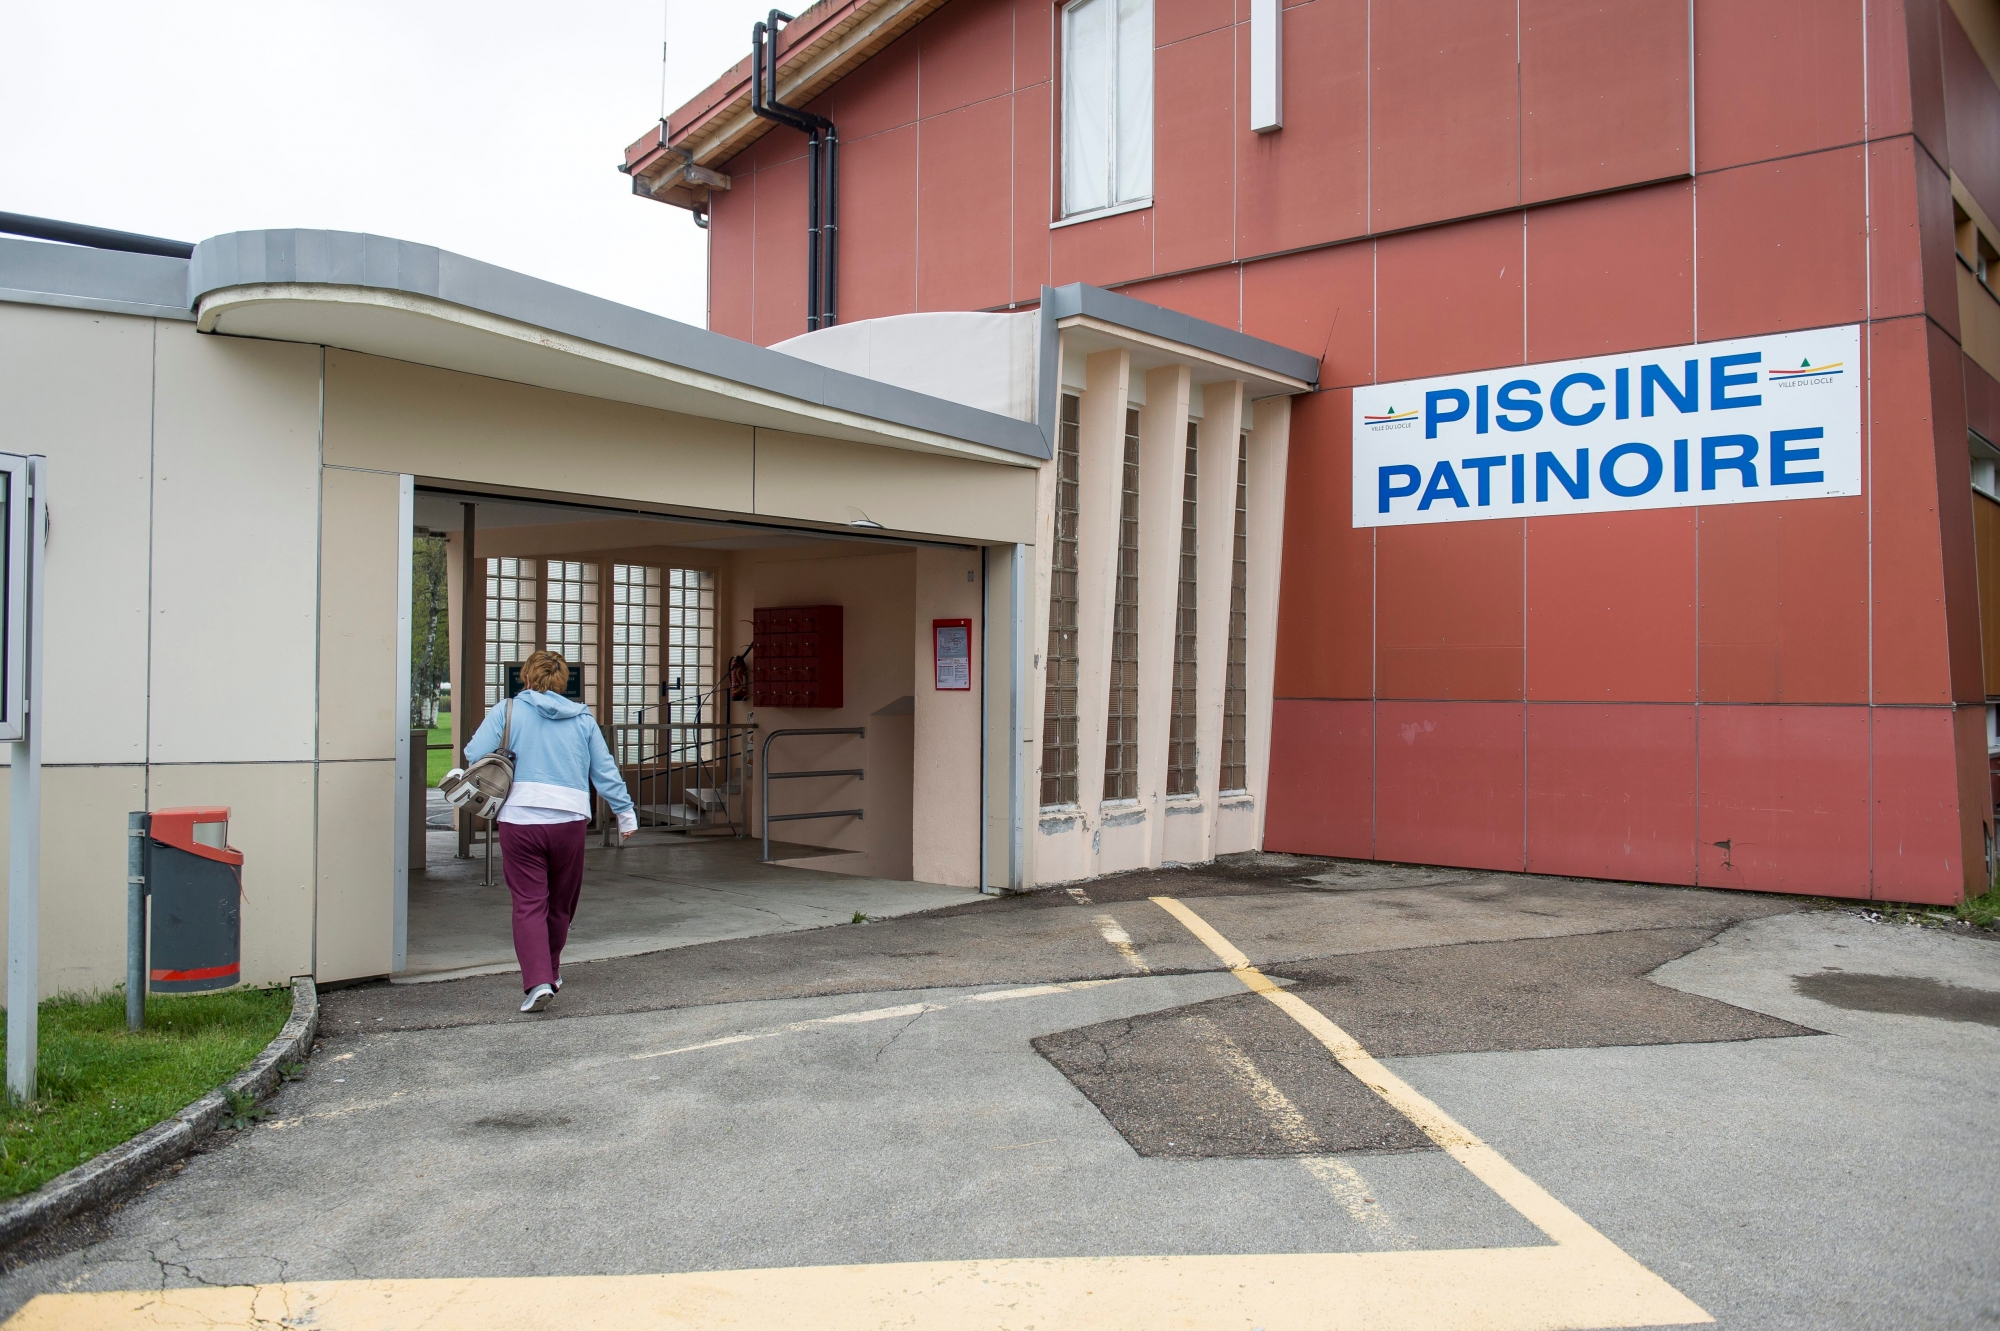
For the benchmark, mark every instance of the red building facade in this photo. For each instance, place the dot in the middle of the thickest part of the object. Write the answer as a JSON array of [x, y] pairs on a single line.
[[1781, 696]]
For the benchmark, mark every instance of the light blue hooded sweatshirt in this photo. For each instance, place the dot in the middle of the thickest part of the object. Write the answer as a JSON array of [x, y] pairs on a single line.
[[559, 754]]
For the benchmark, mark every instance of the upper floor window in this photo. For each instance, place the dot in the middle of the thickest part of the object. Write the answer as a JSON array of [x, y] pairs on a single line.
[[1107, 112]]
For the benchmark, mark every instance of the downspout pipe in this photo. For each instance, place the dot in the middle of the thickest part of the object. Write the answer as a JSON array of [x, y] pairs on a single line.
[[823, 170], [93, 237]]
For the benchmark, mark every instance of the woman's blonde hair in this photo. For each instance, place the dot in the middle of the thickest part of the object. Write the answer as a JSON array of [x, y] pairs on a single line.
[[545, 672]]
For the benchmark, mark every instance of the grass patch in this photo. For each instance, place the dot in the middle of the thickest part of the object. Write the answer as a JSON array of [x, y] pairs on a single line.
[[438, 761], [99, 1084], [1981, 912]]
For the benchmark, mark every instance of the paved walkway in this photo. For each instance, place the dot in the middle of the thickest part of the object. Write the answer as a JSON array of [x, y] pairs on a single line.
[[1276, 1093]]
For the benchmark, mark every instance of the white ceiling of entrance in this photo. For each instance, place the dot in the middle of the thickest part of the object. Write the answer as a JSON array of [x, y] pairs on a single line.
[[441, 513]]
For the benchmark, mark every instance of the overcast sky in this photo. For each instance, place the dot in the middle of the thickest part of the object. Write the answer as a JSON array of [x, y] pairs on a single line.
[[492, 129]]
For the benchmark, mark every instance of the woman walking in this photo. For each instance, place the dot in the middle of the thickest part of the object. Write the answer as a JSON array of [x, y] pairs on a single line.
[[558, 754]]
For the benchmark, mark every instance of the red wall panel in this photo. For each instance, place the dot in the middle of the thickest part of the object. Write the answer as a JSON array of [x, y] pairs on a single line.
[[1194, 120], [1972, 114], [778, 297], [1911, 649], [1611, 792], [1326, 594], [1448, 783], [1611, 607], [1919, 849], [1787, 789], [963, 246], [1611, 273], [1322, 789], [1448, 610], [882, 94], [1773, 78], [1034, 42], [1032, 183], [1107, 252], [1443, 106], [1782, 245], [878, 225], [732, 258], [1214, 294], [1449, 299], [1905, 72], [1604, 95], [1177, 20], [1954, 479], [1784, 601], [1895, 248], [968, 55], [1322, 300], [1975, 800], [1307, 183]]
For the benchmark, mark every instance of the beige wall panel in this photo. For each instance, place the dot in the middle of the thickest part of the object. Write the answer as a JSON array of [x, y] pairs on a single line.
[[1123, 843], [392, 416], [357, 810], [1979, 322], [1237, 827], [1217, 441], [235, 548], [83, 874], [357, 608], [877, 595], [78, 387], [1061, 847], [1100, 478], [1184, 839], [824, 480], [945, 848], [271, 822], [1163, 429]]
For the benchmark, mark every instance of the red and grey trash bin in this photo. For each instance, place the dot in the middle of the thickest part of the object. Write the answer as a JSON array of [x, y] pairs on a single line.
[[196, 882]]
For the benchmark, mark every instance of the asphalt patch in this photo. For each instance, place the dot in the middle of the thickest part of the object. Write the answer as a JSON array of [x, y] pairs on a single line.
[[1902, 996], [519, 1123], [1583, 991], [1225, 1080]]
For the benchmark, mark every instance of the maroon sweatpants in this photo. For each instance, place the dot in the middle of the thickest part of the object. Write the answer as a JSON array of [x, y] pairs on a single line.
[[544, 867]]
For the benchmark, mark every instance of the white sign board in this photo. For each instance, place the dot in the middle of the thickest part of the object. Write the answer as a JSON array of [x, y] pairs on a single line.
[[1749, 421]]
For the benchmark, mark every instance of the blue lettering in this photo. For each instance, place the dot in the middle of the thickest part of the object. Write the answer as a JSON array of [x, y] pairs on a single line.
[[1680, 466], [1480, 416], [1720, 381], [1519, 489], [1444, 485], [1782, 457], [1685, 399], [1624, 381], [1744, 463], [1389, 490], [1485, 466], [1510, 399], [1434, 418], [1563, 413], [1578, 485], [1607, 470]]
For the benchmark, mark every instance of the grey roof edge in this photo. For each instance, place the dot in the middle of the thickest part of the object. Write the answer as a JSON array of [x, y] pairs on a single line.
[[1158, 321], [356, 259], [38, 272]]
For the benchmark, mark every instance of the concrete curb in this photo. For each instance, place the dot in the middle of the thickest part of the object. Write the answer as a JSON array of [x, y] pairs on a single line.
[[107, 1176]]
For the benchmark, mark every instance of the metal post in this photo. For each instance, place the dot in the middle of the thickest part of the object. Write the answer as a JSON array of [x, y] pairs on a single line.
[[1017, 739], [471, 677], [24, 845], [135, 920]]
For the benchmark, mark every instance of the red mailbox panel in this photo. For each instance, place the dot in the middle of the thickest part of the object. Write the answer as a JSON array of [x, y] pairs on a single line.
[[798, 659]]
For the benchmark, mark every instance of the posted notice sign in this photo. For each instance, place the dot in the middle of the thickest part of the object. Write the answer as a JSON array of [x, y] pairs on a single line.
[[1742, 422]]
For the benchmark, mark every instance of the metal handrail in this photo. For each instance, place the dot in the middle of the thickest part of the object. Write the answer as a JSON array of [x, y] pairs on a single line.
[[764, 775], [699, 755]]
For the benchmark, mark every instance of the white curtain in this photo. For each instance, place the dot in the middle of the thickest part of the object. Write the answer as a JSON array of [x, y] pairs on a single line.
[[1107, 104]]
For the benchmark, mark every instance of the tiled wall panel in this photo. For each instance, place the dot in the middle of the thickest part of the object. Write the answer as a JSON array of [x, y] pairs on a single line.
[[1611, 607], [1784, 799], [1611, 792], [1448, 787], [1604, 95], [1322, 779]]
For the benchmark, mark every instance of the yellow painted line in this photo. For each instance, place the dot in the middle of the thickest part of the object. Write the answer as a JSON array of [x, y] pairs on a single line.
[[1582, 1280], [1114, 933], [1534, 1203], [1491, 1289]]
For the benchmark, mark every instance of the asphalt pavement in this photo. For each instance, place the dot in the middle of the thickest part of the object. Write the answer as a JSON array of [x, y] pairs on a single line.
[[1785, 1113]]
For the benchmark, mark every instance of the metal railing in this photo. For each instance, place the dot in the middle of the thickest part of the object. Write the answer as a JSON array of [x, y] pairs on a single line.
[[684, 776], [768, 776]]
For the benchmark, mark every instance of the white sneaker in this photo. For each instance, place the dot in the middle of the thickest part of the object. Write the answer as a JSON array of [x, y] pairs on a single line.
[[538, 998], [558, 984]]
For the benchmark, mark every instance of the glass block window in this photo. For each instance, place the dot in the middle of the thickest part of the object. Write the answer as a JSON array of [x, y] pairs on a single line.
[[570, 619], [1235, 693], [1121, 718], [512, 617], [1183, 770], [690, 657], [1059, 707], [637, 604]]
